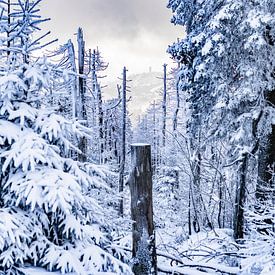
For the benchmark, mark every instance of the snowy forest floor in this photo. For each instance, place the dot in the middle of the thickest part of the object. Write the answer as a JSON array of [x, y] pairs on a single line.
[[201, 247], [206, 252], [200, 254]]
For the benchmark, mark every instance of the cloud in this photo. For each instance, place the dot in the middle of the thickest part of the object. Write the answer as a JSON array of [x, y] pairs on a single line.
[[108, 19], [134, 31]]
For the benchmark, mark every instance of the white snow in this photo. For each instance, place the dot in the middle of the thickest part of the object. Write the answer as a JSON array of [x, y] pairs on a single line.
[[207, 47], [140, 144]]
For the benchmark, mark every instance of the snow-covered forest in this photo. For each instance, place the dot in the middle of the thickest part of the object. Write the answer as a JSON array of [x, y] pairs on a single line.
[[185, 187]]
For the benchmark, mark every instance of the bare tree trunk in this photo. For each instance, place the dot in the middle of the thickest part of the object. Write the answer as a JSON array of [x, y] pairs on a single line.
[[175, 134], [164, 105], [265, 189], [9, 27], [75, 89], [189, 213], [265, 183], [195, 194], [97, 90], [144, 250], [238, 220], [266, 160], [123, 141], [154, 140], [220, 205], [175, 118], [158, 143], [83, 144], [100, 123]]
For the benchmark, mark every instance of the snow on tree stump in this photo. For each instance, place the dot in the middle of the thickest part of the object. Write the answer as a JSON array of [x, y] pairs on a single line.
[[140, 181]]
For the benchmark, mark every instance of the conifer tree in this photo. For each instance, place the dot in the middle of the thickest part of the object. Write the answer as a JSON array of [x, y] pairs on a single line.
[[227, 72], [48, 202]]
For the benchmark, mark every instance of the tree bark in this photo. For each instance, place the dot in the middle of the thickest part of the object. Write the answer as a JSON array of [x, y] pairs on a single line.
[[123, 141], [238, 220], [97, 90], [155, 162], [265, 189], [196, 194], [144, 250], [266, 160], [71, 53], [9, 29], [83, 143], [164, 105], [175, 118]]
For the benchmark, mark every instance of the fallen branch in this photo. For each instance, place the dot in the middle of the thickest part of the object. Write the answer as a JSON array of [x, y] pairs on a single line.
[[185, 263], [189, 263], [179, 270]]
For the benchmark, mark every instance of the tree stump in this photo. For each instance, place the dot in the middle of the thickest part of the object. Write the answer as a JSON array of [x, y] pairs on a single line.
[[140, 181]]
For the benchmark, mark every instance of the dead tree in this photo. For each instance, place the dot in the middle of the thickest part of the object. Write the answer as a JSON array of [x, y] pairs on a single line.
[[175, 117], [238, 221], [9, 28], [155, 164], [140, 181], [83, 144], [164, 105], [96, 89], [71, 53], [100, 123], [123, 140]]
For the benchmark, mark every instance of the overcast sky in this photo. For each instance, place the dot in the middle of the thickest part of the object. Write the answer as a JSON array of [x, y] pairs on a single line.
[[134, 33]]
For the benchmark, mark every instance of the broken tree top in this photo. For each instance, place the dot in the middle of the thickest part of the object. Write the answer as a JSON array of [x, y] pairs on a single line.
[[140, 144]]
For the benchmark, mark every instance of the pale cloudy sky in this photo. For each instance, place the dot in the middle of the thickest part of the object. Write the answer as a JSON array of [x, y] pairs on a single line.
[[132, 33]]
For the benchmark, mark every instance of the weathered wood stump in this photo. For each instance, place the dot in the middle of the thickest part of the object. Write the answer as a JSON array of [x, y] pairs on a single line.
[[140, 181]]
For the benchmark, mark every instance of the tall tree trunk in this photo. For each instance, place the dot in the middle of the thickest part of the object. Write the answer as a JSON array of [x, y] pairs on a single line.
[[175, 118], [123, 140], [199, 215], [221, 203], [9, 28], [189, 213], [265, 189], [144, 250], [154, 153], [196, 194], [75, 90], [164, 105], [266, 160], [238, 220], [97, 91], [100, 123], [83, 143]]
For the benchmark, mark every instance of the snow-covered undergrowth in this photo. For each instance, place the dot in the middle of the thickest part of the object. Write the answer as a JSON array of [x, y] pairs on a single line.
[[212, 252], [209, 251], [215, 252]]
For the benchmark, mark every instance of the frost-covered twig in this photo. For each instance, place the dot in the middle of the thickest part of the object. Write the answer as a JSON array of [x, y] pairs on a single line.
[[188, 263]]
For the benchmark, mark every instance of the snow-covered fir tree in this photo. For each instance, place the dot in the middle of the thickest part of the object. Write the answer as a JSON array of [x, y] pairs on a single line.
[[49, 214]]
